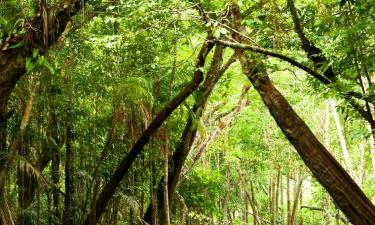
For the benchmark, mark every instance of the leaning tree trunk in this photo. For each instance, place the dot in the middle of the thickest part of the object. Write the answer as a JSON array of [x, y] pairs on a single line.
[[348, 196], [345, 192]]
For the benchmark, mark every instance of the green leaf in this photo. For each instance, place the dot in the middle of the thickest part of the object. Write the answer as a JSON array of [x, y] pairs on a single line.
[[18, 45], [29, 65], [217, 34]]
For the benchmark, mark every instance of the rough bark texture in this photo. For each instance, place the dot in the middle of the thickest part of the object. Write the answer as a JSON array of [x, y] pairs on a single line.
[[128, 160], [345, 192]]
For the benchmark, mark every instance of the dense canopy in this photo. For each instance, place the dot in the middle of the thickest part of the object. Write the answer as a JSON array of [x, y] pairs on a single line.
[[187, 112]]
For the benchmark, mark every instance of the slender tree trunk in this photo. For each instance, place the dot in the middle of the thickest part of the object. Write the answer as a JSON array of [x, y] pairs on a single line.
[[272, 197], [165, 153], [361, 166], [55, 170], [327, 142], [372, 150], [251, 197], [277, 195], [346, 193], [297, 190], [3, 139], [69, 166], [288, 199], [282, 219], [344, 148]]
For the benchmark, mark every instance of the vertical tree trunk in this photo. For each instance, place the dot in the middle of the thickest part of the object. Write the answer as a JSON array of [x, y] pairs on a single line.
[[277, 195], [361, 166], [344, 148], [272, 197], [288, 207], [327, 142], [3, 139], [165, 151], [54, 149], [250, 196], [297, 190], [69, 164], [282, 217], [372, 150]]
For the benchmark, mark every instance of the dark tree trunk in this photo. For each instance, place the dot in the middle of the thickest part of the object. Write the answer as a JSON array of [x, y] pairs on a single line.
[[69, 163], [55, 150], [69, 177]]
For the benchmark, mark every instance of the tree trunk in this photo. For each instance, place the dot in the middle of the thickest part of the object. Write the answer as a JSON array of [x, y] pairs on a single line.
[[372, 150], [165, 154], [251, 197], [297, 190], [69, 165], [55, 150], [345, 192]]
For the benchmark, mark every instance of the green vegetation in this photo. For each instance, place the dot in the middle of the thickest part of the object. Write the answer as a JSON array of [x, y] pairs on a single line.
[[187, 112]]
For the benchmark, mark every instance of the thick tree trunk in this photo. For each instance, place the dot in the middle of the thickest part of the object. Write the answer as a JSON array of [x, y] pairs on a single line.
[[349, 197], [345, 192], [137, 148]]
